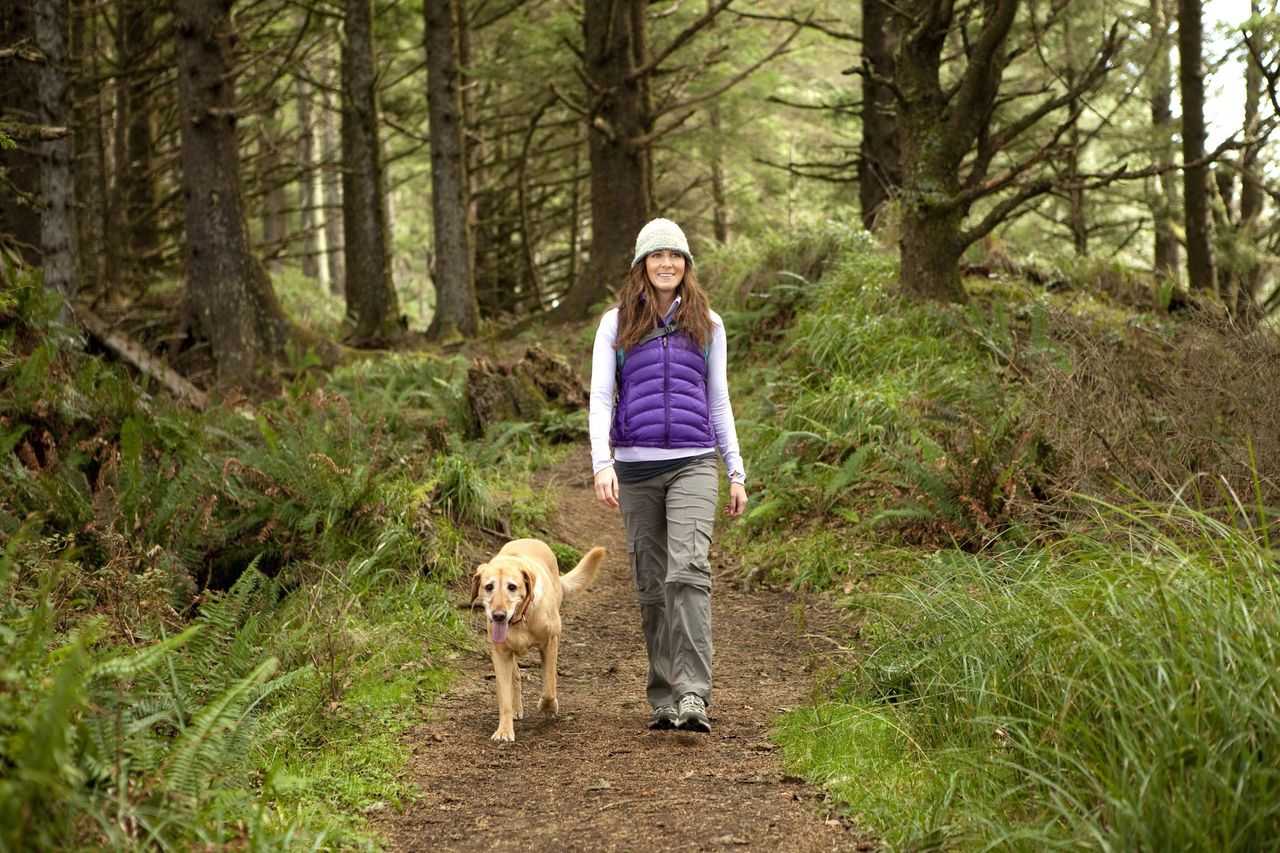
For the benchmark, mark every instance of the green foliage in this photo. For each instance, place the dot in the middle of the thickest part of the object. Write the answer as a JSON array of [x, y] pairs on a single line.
[[886, 417], [206, 704], [131, 747], [1066, 695], [462, 492]]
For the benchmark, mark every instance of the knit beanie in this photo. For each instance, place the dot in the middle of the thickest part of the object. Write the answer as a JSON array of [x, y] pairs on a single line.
[[661, 234]]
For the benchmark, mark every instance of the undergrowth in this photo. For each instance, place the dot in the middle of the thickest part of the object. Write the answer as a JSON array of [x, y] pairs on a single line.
[[1029, 506], [215, 626], [1115, 689]]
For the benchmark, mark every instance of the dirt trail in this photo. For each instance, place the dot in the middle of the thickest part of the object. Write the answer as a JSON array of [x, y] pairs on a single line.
[[596, 778]]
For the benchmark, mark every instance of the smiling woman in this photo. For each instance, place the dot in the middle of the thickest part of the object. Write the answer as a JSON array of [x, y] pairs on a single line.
[[661, 353]]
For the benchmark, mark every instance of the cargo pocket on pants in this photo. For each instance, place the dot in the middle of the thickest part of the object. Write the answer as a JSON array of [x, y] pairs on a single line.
[[648, 586]]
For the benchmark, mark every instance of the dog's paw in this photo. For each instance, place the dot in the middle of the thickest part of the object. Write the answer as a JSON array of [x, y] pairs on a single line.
[[549, 706], [504, 734]]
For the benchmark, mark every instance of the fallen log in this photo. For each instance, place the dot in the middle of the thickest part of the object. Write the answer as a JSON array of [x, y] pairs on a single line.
[[135, 354]]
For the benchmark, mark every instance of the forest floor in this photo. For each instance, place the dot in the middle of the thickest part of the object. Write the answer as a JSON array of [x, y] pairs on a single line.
[[596, 778]]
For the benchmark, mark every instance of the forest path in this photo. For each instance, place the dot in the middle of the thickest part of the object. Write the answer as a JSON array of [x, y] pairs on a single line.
[[596, 778]]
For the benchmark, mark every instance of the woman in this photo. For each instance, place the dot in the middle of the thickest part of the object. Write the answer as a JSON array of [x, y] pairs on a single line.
[[661, 353]]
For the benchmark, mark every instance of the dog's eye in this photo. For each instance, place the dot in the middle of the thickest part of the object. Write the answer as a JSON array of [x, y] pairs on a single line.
[[511, 587], [488, 587]]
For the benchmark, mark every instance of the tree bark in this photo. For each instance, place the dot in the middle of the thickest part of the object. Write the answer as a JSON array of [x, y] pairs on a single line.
[[310, 221], [879, 170], [935, 133], [1201, 270], [228, 290], [20, 182], [135, 232], [373, 309], [88, 155], [719, 185], [140, 192], [57, 180], [620, 115], [331, 186], [715, 156], [1163, 199], [1251, 190], [275, 198], [457, 313]]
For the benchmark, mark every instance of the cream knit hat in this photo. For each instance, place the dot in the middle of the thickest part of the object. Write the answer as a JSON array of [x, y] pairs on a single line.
[[661, 234]]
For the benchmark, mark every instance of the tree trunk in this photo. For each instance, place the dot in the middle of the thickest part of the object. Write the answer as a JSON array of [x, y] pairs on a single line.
[[57, 182], [275, 198], [1251, 190], [372, 307], [141, 211], [715, 157], [1201, 270], [20, 181], [1075, 193], [457, 313], [135, 234], [879, 172], [621, 163], [929, 249], [228, 290], [89, 155], [930, 243], [1163, 199], [331, 185], [309, 220], [719, 190], [1076, 218]]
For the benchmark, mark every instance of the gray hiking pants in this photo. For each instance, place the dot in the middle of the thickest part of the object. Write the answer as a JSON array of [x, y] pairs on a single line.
[[668, 520]]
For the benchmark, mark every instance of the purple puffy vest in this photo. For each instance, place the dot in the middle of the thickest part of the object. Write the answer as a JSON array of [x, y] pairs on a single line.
[[662, 394]]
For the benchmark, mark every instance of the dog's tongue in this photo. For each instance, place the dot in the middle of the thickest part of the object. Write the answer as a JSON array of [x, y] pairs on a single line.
[[499, 631]]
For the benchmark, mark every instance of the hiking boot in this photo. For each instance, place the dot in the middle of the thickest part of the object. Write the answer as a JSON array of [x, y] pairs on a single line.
[[663, 717], [692, 714]]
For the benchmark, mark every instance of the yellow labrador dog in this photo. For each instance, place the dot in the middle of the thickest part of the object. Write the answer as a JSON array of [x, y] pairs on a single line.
[[522, 589]]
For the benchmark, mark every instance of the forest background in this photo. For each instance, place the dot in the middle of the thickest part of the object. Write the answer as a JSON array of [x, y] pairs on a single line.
[[1002, 309]]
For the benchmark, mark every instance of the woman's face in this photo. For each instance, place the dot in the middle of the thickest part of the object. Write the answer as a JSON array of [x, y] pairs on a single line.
[[665, 269]]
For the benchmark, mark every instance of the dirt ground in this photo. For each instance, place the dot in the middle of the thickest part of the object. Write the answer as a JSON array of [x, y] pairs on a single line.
[[596, 778]]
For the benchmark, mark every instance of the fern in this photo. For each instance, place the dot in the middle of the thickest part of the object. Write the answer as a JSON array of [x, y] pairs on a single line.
[[851, 470]]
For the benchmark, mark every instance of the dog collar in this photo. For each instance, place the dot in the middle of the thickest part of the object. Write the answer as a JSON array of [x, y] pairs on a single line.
[[524, 609]]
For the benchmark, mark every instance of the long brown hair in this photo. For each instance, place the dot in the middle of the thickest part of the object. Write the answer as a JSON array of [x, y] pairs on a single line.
[[638, 308]]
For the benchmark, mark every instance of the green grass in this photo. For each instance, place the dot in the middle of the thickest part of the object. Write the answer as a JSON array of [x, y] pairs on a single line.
[[1117, 689], [1035, 669]]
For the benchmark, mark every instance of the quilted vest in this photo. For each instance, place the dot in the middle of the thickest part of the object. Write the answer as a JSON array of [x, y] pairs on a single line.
[[662, 393]]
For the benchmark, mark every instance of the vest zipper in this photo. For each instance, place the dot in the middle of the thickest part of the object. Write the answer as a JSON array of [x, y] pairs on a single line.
[[666, 393]]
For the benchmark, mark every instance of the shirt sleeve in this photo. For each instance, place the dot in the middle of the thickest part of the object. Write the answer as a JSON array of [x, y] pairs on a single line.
[[604, 366], [720, 407]]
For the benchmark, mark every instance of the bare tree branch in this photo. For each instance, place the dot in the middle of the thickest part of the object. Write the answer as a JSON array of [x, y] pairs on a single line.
[[676, 43], [804, 22], [732, 81], [1004, 209]]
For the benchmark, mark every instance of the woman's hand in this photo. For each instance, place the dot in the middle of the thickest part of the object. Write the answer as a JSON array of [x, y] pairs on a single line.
[[607, 487], [737, 499]]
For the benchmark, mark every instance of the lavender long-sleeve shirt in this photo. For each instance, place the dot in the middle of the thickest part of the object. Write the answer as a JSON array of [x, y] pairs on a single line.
[[604, 364]]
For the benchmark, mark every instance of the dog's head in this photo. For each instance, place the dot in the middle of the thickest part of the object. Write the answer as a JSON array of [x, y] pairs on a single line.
[[506, 588]]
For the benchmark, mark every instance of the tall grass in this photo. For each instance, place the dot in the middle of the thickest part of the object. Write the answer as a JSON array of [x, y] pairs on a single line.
[[1119, 689]]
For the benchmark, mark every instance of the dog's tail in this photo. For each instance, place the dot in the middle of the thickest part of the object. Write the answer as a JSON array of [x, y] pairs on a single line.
[[583, 574]]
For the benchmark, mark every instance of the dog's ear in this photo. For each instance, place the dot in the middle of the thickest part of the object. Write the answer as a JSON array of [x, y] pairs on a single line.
[[528, 583], [475, 585]]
